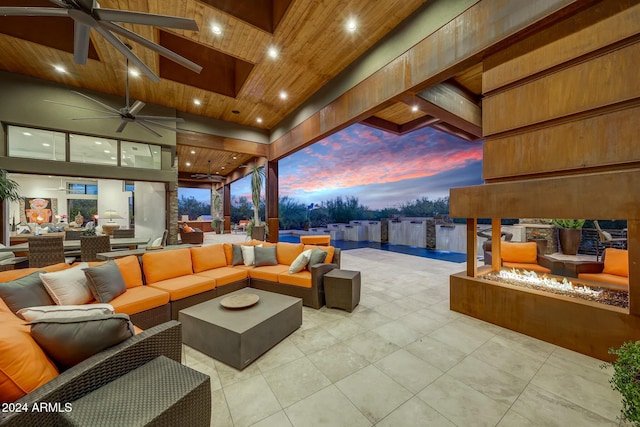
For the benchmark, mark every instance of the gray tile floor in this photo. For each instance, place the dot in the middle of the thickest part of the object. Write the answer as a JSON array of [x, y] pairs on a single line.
[[402, 358]]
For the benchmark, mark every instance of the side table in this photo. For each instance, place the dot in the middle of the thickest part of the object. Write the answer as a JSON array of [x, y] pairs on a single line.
[[160, 393], [342, 289]]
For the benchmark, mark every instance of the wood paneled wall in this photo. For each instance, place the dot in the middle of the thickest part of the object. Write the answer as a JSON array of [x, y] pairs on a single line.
[[561, 114]]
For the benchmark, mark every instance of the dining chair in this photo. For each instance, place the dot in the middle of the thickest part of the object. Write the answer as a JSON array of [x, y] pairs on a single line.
[[607, 240], [90, 246], [46, 250], [72, 235], [125, 233]]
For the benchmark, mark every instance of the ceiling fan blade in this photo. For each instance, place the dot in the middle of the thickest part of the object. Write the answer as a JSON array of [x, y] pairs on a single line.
[[78, 106], [33, 11], [161, 118], [122, 125], [88, 5], [96, 118], [161, 50], [137, 106], [103, 105], [176, 129], [123, 49], [80, 43], [148, 128], [146, 19]]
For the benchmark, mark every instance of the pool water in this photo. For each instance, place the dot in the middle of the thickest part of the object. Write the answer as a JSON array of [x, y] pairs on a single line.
[[407, 250]]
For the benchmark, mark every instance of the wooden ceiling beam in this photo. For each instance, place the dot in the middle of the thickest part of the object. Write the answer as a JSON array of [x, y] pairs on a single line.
[[215, 142], [388, 126]]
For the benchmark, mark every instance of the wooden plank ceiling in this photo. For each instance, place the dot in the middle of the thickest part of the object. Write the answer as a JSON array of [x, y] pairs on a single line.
[[243, 84]]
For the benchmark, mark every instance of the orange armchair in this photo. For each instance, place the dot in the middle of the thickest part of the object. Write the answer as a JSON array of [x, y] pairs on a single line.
[[613, 270], [525, 256]]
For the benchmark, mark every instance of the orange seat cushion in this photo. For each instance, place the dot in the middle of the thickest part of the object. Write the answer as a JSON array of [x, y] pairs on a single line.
[[23, 365], [225, 275], [519, 252], [185, 286], [165, 265], [330, 250], [616, 261], [315, 240], [139, 299], [526, 266], [4, 308], [243, 267], [129, 267], [137, 330], [268, 272], [605, 278], [302, 278], [208, 257], [288, 252]]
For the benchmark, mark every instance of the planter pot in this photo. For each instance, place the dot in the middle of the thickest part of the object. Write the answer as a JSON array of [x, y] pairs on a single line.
[[258, 232], [569, 240], [542, 245], [217, 227]]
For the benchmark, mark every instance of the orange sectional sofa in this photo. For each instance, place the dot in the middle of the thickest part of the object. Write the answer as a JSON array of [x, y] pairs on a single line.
[[524, 256]]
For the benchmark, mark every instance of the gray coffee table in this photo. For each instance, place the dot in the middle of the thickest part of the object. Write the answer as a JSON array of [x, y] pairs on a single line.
[[238, 337]]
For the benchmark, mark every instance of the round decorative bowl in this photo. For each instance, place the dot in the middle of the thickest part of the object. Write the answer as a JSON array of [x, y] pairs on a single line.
[[239, 301]]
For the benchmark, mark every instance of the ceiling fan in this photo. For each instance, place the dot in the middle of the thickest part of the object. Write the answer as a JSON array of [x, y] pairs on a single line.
[[60, 188], [127, 114], [208, 176], [88, 15]]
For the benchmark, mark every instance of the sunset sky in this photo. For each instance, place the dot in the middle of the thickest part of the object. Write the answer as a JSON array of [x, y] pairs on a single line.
[[379, 168]]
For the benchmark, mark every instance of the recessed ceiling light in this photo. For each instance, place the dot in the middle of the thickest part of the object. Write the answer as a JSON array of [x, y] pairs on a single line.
[[60, 68], [98, 142], [414, 108], [216, 29], [259, 120], [235, 157], [272, 52], [217, 172], [113, 158], [107, 151], [193, 151], [283, 95], [44, 144], [134, 72], [26, 133], [197, 101], [188, 163], [352, 25], [222, 168]]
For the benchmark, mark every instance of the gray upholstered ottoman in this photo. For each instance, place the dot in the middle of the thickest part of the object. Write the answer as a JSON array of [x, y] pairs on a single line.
[[160, 393], [238, 337], [342, 289]]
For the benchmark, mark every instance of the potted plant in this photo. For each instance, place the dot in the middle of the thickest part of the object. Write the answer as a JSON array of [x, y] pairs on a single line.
[[256, 229], [217, 221], [626, 379], [569, 234], [9, 191]]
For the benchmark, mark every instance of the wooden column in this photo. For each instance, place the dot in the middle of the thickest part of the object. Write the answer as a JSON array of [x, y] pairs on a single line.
[[472, 253], [496, 237], [633, 246], [273, 220], [226, 207]]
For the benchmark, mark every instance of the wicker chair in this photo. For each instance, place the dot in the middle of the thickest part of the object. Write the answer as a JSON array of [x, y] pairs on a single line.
[[72, 235], [45, 250], [90, 246], [120, 234], [193, 237], [108, 365]]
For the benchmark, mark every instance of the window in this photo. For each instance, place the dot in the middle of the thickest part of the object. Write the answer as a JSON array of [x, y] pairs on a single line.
[[137, 155], [36, 143], [85, 207], [73, 188], [90, 149]]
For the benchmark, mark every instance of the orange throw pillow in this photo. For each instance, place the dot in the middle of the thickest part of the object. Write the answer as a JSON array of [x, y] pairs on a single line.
[[129, 267], [23, 365], [208, 258], [616, 262]]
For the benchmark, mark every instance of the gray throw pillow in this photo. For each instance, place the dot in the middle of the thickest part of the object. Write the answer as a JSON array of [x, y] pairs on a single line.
[[265, 256], [317, 257], [237, 255], [105, 281], [70, 341], [25, 292]]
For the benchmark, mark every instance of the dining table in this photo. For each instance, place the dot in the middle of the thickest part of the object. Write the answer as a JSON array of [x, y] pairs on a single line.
[[71, 245]]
